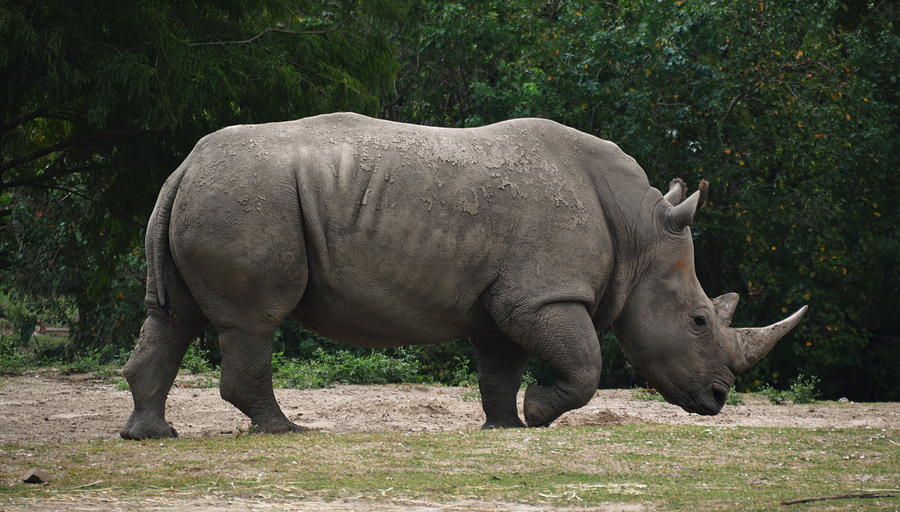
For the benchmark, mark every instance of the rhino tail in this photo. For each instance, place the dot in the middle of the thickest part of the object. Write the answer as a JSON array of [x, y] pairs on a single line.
[[157, 240]]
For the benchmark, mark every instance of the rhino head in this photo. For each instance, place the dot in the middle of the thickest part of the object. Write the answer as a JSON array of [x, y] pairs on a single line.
[[679, 339]]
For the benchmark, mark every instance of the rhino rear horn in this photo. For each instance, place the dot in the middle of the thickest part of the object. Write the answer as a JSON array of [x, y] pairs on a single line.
[[725, 306], [755, 343], [682, 216]]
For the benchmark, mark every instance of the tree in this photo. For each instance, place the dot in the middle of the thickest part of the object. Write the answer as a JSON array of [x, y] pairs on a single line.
[[789, 109], [101, 100]]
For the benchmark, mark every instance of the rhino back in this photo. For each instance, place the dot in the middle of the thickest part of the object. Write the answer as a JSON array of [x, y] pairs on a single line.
[[408, 230], [409, 227]]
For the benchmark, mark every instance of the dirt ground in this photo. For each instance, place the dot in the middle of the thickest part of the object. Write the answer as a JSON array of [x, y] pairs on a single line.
[[43, 407]]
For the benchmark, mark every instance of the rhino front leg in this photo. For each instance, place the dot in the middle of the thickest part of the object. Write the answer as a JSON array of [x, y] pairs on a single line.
[[247, 379], [501, 364], [562, 334]]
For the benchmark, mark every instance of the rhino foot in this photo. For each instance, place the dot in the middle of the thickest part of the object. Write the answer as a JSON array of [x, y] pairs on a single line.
[[146, 430], [276, 426], [507, 423], [539, 406]]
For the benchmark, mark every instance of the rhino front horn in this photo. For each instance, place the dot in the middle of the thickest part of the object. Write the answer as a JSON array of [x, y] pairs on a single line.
[[755, 343]]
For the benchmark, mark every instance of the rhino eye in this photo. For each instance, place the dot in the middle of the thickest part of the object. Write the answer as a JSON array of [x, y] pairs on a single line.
[[699, 321]]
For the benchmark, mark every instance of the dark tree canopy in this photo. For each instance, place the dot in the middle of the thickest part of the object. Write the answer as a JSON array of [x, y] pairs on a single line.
[[788, 108]]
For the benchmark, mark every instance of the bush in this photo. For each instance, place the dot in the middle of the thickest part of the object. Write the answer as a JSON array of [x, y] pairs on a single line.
[[802, 390], [88, 362], [325, 369], [647, 394], [13, 360], [786, 108], [733, 398], [196, 360]]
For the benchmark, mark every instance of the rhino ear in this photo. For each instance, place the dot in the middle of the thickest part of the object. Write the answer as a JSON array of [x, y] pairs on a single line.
[[725, 306], [704, 193], [682, 216], [677, 192]]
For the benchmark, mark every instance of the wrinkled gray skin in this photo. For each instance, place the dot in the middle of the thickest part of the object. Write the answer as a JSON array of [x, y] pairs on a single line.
[[525, 236]]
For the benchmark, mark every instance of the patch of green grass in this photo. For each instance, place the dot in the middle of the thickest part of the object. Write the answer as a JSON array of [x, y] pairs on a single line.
[[802, 390], [472, 395], [733, 398], [647, 394], [669, 467], [92, 361], [196, 360], [99, 363], [207, 380], [13, 359], [327, 368]]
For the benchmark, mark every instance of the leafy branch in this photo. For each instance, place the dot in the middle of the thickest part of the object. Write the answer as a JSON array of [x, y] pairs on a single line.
[[74, 142], [64, 115], [280, 31]]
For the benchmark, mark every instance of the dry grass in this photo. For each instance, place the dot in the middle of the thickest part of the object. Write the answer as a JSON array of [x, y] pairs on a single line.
[[672, 467]]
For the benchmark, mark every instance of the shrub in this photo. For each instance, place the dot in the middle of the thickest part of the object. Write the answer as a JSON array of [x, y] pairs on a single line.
[[343, 367], [733, 398], [88, 362], [802, 390], [647, 394], [12, 359], [196, 360]]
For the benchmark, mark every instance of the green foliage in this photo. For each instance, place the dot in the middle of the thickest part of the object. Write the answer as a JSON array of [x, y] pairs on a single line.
[[196, 360], [13, 360], [802, 390], [88, 362], [652, 395], [103, 363], [733, 398], [472, 395], [786, 108], [776, 396], [789, 109], [462, 375], [325, 369], [109, 97], [647, 394]]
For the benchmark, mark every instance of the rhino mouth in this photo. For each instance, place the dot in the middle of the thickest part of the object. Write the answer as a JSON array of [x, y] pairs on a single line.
[[708, 401]]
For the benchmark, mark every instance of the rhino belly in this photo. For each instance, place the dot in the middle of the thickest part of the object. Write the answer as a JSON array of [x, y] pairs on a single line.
[[382, 317]]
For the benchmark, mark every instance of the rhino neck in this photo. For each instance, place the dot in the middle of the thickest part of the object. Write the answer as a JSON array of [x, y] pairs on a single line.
[[628, 203]]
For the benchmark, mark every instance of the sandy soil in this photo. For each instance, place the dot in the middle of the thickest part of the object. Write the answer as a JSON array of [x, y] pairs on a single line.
[[45, 407]]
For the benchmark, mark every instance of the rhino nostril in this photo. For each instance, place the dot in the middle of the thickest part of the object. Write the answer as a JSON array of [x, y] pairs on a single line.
[[719, 393]]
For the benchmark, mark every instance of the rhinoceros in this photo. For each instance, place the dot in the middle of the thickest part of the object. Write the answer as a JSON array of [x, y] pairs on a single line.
[[525, 236]]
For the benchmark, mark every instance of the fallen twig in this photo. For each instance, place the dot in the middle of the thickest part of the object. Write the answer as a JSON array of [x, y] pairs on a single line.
[[88, 485], [839, 497]]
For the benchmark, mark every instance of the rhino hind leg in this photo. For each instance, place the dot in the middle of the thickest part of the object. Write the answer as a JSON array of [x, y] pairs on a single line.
[[247, 269], [154, 363], [501, 364], [562, 334], [247, 379]]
